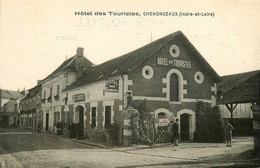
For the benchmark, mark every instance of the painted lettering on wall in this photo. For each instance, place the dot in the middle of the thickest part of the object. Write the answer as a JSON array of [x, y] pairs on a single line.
[[78, 97], [112, 85], [163, 122], [173, 63]]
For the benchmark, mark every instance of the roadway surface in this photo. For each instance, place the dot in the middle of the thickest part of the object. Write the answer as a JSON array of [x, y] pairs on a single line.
[[30, 150]]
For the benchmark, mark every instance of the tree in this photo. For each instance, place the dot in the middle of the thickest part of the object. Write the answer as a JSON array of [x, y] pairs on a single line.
[[208, 124]]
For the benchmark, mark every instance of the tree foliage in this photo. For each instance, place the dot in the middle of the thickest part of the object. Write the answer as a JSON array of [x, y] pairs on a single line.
[[208, 124]]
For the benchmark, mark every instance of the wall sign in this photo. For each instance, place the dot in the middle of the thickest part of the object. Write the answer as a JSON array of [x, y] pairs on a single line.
[[173, 63], [112, 85], [78, 97], [163, 122]]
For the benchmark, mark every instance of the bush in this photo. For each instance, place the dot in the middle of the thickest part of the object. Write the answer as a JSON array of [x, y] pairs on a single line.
[[59, 125], [208, 124]]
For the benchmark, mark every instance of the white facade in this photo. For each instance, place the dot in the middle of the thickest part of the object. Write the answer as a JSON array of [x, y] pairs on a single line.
[[55, 84], [94, 93]]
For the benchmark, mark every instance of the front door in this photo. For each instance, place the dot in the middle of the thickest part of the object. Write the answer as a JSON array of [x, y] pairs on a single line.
[[184, 123], [47, 121], [80, 125]]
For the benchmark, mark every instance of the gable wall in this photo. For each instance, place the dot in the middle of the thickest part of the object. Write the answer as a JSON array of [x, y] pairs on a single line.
[[153, 87]]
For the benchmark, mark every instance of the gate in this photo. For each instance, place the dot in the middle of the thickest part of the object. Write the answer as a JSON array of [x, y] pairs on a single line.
[[150, 131]]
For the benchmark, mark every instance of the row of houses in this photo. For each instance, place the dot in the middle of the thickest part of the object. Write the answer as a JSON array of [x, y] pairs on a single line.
[[9, 107], [164, 79]]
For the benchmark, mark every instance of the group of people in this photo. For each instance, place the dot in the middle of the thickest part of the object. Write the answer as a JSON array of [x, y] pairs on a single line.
[[228, 128]]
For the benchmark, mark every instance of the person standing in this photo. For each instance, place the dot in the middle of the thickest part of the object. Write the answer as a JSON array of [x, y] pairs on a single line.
[[175, 129], [228, 128]]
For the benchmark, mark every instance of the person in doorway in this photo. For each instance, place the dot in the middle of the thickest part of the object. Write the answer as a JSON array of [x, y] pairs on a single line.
[[175, 129], [170, 131], [228, 128]]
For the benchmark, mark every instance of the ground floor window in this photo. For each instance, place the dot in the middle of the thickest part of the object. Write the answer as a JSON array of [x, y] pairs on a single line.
[[93, 115], [30, 122], [107, 116], [66, 117], [56, 117]]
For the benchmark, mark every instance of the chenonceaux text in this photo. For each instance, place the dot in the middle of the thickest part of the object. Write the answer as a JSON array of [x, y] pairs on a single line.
[[128, 13]]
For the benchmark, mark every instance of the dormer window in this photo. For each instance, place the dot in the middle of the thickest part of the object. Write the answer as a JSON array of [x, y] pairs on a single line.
[[100, 76], [115, 71]]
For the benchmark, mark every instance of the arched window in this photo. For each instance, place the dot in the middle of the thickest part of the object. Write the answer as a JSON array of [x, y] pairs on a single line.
[[174, 88]]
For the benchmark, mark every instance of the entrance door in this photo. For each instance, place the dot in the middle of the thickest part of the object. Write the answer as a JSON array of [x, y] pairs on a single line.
[[185, 125], [47, 121], [80, 111], [4, 121]]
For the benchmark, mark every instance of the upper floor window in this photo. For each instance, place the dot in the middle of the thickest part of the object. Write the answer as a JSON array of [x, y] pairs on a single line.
[[51, 91], [58, 90], [174, 51], [56, 97], [174, 87]]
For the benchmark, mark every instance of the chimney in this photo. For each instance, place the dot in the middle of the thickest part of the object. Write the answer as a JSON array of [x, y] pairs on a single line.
[[80, 51]]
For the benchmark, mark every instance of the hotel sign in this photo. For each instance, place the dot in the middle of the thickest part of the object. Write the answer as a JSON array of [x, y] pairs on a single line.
[[173, 63], [78, 97], [112, 85], [163, 122]]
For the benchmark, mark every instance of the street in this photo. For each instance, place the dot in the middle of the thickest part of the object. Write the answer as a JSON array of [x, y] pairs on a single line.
[[26, 149]]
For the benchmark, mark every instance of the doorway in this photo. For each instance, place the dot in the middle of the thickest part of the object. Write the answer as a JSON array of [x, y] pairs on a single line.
[[185, 127], [79, 120], [47, 122]]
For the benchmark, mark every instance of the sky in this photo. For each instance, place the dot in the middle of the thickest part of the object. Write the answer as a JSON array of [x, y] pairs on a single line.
[[37, 36]]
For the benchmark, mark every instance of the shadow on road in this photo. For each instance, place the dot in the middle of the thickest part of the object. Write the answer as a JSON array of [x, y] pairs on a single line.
[[246, 159], [13, 140]]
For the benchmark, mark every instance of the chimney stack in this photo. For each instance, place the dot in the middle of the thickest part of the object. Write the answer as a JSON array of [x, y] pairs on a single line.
[[80, 51]]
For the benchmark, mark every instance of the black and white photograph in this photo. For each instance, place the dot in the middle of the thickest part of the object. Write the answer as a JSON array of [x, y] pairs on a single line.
[[129, 84]]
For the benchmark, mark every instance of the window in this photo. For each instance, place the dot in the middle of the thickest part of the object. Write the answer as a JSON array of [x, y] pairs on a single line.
[[66, 120], [56, 97], [44, 94], [147, 72], [161, 115], [66, 98], [56, 117], [174, 88], [107, 116], [199, 77], [58, 90], [174, 51], [51, 91], [93, 115]]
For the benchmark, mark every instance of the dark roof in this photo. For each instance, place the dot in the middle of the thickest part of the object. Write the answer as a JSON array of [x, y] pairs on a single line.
[[69, 65], [10, 94], [231, 81], [32, 92], [128, 62]]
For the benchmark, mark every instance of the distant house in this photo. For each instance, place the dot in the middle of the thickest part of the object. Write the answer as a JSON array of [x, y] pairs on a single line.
[[237, 94], [9, 109], [30, 109]]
